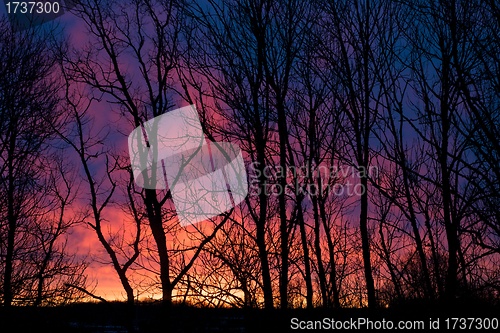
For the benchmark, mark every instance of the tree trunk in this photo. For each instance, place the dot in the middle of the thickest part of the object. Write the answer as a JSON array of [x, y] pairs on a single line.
[[283, 138], [365, 244], [305, 250], [153, 208]]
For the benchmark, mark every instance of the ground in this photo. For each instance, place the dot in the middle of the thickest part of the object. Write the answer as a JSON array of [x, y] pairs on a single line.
[[117, 317]]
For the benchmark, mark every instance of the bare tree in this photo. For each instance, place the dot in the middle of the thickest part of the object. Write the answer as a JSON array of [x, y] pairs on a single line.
[[89, 147], [240, 96], [355, 49], [35, 263], [134, 64], [410, 87]]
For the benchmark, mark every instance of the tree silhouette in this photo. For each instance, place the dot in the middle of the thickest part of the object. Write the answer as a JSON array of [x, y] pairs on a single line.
[[35, 181]]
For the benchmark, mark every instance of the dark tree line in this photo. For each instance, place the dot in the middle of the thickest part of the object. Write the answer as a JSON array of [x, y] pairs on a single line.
[[369, 130], [37, 186]]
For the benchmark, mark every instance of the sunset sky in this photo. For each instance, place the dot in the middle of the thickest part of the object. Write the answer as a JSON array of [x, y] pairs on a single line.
[[407, 91]]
